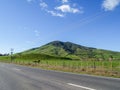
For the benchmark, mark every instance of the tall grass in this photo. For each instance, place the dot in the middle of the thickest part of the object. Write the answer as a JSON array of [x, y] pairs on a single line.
[[106, 68]]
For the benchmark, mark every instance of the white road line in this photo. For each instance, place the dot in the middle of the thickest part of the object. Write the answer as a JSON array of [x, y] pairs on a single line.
[[80, 86], [16, 69]]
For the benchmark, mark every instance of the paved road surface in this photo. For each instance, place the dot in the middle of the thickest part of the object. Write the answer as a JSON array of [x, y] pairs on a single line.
[[15, 77]]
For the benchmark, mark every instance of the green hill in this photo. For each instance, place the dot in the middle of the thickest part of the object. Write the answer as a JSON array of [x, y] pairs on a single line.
[[73, 51]]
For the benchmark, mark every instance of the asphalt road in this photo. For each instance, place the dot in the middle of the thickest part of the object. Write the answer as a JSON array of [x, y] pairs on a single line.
[[16, 77]]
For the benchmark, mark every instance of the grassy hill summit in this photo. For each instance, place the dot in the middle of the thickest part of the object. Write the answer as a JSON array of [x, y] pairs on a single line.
[[73, 51]]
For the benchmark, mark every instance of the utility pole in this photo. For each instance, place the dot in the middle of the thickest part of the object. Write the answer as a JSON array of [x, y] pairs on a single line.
[[12, 54]]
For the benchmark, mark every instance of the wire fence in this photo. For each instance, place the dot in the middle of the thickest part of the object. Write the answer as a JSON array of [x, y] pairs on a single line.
[[107, 68]]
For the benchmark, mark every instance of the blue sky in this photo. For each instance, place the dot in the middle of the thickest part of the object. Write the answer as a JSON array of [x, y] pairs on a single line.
[[26, 24]]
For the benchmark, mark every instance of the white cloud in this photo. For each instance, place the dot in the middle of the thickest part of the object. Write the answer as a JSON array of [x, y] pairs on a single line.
[[109, 5], [43, 5], [53, 13], [60, 11], [37, 33], [65, 1], [67, 9]]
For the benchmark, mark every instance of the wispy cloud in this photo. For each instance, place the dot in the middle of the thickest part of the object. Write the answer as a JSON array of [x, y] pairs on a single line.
[[67, 9], [53, 13], [37, 33], [43, 5], [62, 10], [65, 1], [110, 5]]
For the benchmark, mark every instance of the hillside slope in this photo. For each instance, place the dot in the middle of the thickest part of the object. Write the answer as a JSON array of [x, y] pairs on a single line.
[[73, 51]]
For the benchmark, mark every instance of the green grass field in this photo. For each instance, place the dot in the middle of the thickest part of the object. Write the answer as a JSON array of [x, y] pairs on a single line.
[[104, 68]]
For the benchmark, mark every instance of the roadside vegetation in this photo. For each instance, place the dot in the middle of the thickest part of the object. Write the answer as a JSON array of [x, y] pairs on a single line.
[[86, 66]]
